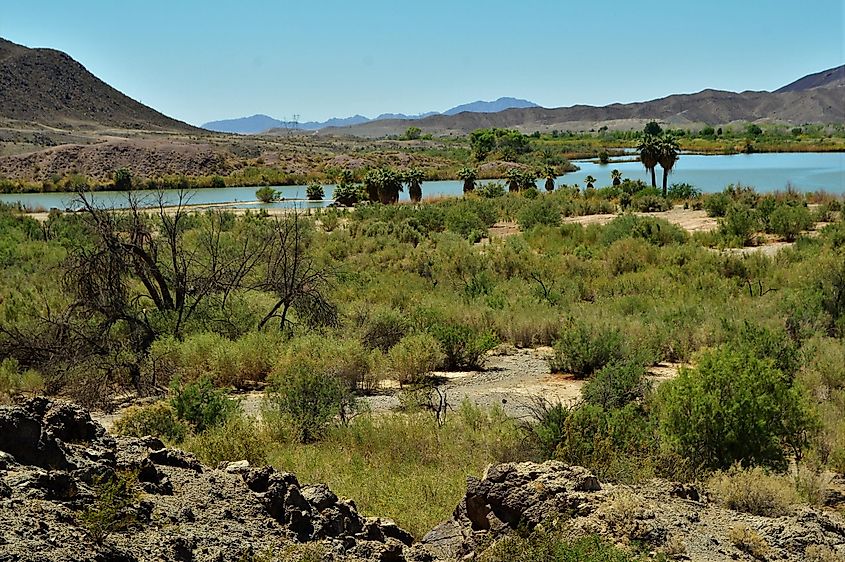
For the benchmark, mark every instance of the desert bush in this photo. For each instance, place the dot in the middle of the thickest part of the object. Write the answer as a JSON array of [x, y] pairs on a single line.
[[733, 407], [543, 546], [463, 346], [201, 404], [113, 510], [650, 203], [158, 419], [753, 490], [14, 379], [414, 357], [616, 385], [740, 225], [384, 329], [658, 232], [582, 349], [717, 204], [628, 255], [683, 191], [749, 541], [541, 211], [788, 221], [239, 438], [308, 397]]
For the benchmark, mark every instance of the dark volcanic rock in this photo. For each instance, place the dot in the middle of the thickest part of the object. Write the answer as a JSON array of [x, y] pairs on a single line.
[[52, 457]]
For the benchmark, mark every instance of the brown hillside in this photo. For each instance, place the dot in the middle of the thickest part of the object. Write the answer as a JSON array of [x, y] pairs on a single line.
[[820, 105], [48, 87]]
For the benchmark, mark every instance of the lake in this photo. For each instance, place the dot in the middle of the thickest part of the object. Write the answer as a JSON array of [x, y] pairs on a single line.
[[766, 172]]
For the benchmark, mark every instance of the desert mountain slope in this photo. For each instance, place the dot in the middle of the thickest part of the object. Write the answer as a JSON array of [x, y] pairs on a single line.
[[830, 78], [49, 88]]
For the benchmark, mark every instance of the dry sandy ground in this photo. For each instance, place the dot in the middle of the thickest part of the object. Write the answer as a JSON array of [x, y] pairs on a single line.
[[514, 380], [689, 220]]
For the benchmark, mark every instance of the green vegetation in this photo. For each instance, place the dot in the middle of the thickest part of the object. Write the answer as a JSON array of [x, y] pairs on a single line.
[[323, 310]]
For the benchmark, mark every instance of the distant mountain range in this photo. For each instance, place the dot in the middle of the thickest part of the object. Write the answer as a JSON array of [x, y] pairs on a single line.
[[48, 91], [816, 98], [260, 123]]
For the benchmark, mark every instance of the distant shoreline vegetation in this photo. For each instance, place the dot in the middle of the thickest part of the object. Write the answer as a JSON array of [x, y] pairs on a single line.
[[492, 151]]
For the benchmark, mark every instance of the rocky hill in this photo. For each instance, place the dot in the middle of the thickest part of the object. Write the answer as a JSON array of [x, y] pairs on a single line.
[[819, 105], [831, 78], [69, 491], [47, 87]]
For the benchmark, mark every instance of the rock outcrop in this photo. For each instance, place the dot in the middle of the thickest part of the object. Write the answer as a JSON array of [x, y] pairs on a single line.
[[54, 459], [675, 519]]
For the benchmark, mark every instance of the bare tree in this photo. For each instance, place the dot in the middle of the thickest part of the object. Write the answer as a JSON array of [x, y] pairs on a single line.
[[292, 275]]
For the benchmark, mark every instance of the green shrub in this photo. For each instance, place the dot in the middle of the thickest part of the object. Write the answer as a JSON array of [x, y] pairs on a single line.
[[113, 510], [650, 203], [658, 232], [239, 438], [616, 385], [308, 398], [788, 221], [740, 225], [13, 379], [384, 329], [628, 255], [491, 190], [158, 419], [583, 349], [541, 211], [414, 357], [201, 404], [463, 346], [547, 428], [545, 547], [717, 204], [733, 408], [683, 191]]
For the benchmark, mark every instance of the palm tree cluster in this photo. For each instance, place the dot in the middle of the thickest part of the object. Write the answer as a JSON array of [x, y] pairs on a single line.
[[521, 179], [662, 150]]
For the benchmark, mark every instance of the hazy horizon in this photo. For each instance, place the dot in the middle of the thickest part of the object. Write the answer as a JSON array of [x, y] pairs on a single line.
[[211, 61]]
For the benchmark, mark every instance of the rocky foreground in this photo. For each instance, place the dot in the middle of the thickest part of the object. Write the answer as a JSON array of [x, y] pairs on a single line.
[[54, 460]]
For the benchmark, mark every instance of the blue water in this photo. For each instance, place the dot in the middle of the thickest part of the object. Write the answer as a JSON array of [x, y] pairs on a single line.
[[766, 172]]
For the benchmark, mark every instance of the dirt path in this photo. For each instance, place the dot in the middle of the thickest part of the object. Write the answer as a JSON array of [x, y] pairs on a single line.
[[513, 381]]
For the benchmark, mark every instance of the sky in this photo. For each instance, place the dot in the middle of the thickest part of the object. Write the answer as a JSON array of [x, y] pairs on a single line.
[[202, 61]]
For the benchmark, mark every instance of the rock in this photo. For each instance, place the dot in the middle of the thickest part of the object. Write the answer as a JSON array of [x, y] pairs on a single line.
[[176, 458], [236, 467], [22, 438], [319, 496]]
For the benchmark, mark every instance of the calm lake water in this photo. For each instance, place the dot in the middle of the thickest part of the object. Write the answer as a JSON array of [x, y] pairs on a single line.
[[766, 172]]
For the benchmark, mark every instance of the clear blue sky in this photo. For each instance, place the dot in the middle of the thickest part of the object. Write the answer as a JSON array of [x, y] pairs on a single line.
[[199, 61]]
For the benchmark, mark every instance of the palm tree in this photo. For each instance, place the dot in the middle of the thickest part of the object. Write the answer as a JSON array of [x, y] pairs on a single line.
[[549, 174], [468, 175], [649, 150], [371, 183], [515, 179], [414, 178], [589, 181], [389, 186], [616, 176], [667, 155]]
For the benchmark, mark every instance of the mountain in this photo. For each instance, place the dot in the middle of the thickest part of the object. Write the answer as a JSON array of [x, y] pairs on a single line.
[[48, 88], [831, 78], [263, 123], [245, 125], [817, 98], [496, 106]]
